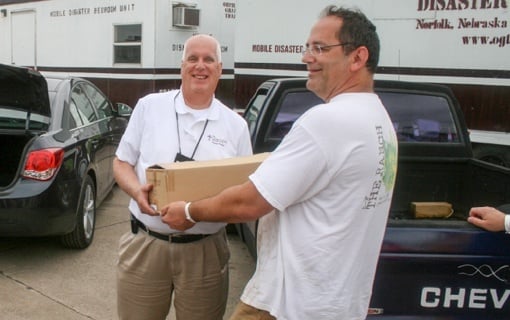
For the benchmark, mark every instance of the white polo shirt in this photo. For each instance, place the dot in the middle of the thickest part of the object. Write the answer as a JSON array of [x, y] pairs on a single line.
[[151, 137]]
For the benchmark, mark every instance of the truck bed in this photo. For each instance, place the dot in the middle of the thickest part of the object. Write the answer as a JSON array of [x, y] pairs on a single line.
[[464, 183]]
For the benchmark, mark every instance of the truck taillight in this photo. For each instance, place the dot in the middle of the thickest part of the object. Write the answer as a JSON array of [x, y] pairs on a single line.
[[43, 164]]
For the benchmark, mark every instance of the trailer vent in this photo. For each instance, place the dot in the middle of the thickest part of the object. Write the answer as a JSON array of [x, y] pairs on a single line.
[[186, 17]]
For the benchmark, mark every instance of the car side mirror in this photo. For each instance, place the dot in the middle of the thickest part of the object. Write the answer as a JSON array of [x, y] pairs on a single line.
[[123, 109]]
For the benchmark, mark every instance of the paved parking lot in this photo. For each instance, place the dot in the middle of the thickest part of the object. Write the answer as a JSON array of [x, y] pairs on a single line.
[[41, 280]]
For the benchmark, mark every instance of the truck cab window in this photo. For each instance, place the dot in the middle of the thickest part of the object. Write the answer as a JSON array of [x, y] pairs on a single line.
[[420, 118], [253, 109], [293, 105]]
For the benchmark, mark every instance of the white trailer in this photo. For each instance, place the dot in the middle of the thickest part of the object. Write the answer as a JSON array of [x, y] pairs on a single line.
[[132, 47], [127, 47], [464, 44]]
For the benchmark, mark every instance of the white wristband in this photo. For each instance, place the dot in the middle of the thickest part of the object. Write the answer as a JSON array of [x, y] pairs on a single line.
[[188, 215], [507, 223]]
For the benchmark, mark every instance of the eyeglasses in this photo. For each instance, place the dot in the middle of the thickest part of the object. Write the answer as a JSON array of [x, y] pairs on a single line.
[[317, 49]]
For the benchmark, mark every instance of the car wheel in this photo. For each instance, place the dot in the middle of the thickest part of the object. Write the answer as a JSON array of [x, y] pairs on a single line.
[[83, 233]]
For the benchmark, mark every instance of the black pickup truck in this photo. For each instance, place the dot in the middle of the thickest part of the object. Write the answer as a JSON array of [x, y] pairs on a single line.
[[433, 265]]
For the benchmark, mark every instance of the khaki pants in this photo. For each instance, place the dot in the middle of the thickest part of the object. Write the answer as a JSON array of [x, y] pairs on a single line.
[[247, 312], [150, 270]]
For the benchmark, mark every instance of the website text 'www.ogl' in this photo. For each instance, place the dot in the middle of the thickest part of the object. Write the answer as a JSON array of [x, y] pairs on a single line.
[[500, 41]]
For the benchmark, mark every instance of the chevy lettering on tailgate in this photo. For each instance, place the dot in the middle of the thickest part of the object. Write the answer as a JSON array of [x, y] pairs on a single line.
[[437, 285], [471, 298]]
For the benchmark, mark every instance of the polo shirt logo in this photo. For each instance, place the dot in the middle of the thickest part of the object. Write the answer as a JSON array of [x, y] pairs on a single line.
[[214, 140]]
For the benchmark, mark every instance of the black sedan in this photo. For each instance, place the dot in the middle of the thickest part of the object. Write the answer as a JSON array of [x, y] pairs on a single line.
[[58, 137]]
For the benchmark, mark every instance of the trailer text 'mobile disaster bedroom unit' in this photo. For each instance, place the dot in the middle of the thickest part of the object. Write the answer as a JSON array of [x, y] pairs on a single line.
[[128, 48]]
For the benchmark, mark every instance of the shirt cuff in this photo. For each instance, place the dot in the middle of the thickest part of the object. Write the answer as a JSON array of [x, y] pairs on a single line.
[[507, 223]]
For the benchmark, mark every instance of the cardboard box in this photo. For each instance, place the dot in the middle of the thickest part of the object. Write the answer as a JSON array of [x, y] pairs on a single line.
[[431, 210], [194, 180]]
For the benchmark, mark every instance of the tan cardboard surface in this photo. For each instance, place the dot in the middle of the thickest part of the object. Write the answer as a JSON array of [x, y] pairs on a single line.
[[194, 180]]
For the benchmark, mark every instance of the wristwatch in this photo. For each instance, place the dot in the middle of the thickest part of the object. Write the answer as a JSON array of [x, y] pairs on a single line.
[[507, 223]]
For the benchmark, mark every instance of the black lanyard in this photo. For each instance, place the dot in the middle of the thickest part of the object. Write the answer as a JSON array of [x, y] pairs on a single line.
[[178, 133]]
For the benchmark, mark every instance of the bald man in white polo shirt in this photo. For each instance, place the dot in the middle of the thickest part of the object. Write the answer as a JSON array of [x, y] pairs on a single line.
[[156, 261]]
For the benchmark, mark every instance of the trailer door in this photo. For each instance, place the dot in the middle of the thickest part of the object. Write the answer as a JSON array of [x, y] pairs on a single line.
[[23, 39]]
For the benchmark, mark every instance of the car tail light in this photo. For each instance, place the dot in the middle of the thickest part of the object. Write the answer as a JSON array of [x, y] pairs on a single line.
[[42, 164]]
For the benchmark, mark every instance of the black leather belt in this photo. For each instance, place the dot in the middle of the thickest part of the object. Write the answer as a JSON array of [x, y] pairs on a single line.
[[179, 238]]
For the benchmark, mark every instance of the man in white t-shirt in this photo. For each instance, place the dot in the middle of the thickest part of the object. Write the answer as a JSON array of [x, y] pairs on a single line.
[[156, 261], [324, 194]]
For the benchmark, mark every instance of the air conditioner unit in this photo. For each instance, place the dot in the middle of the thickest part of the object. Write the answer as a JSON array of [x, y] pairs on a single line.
[[186, 17]]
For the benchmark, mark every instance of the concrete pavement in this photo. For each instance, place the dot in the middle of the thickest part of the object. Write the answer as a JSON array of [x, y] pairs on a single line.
[[41, 280]]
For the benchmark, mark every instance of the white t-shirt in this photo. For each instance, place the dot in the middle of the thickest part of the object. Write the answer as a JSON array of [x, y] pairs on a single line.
[[151, 137], [331, 182]]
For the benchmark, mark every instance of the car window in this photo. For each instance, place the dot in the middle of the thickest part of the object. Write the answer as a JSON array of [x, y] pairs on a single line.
[[420, 118], [82, 105], [76, 118], [104, 109], [253, 109], [293, 104], [17, 119]]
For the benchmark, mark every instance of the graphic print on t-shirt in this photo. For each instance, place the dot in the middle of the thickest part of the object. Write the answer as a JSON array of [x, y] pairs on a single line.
[[386, 171]]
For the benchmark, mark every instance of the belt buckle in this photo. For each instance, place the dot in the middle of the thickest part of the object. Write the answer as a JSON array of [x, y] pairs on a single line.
[[173, 236]]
